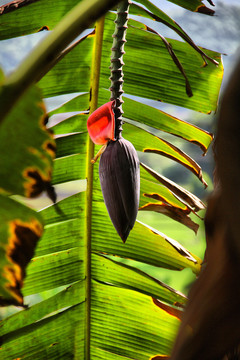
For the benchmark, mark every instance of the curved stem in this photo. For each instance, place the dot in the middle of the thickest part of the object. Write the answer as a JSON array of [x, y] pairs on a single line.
[[119, 39]]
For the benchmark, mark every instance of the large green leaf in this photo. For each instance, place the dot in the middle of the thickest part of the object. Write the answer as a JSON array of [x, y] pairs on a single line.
[[156, 84], [111, 306], [31, 17], [163, 81], [106, 309]]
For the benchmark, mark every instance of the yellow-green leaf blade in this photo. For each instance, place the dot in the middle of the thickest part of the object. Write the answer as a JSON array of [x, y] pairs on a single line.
[[141, 335], [108, 271]]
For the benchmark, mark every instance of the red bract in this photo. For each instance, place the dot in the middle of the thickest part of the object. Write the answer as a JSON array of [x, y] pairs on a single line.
[[101, 124]]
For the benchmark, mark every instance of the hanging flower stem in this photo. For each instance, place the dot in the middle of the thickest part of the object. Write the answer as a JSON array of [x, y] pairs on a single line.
[[119, 39]]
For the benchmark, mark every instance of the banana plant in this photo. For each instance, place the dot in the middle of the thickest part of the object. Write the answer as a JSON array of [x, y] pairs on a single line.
[[95, 306]]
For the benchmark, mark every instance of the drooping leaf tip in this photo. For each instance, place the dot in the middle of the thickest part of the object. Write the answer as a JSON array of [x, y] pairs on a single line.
[[205, 10]]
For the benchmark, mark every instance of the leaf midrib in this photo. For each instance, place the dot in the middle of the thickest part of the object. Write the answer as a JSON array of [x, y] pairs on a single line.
[[94, 88]]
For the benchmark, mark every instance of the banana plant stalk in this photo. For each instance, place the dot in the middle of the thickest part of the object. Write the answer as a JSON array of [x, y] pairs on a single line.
[[119, 164]]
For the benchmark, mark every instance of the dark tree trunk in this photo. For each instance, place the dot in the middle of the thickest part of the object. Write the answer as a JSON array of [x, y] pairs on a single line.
[[210, 328]]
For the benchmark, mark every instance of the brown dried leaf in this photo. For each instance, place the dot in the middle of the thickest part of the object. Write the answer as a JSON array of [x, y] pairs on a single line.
[[193, 201], [169, 309], [174, 213]]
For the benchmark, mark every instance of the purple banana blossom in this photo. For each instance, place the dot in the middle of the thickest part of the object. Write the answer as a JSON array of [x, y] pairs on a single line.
[[118, 170]]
